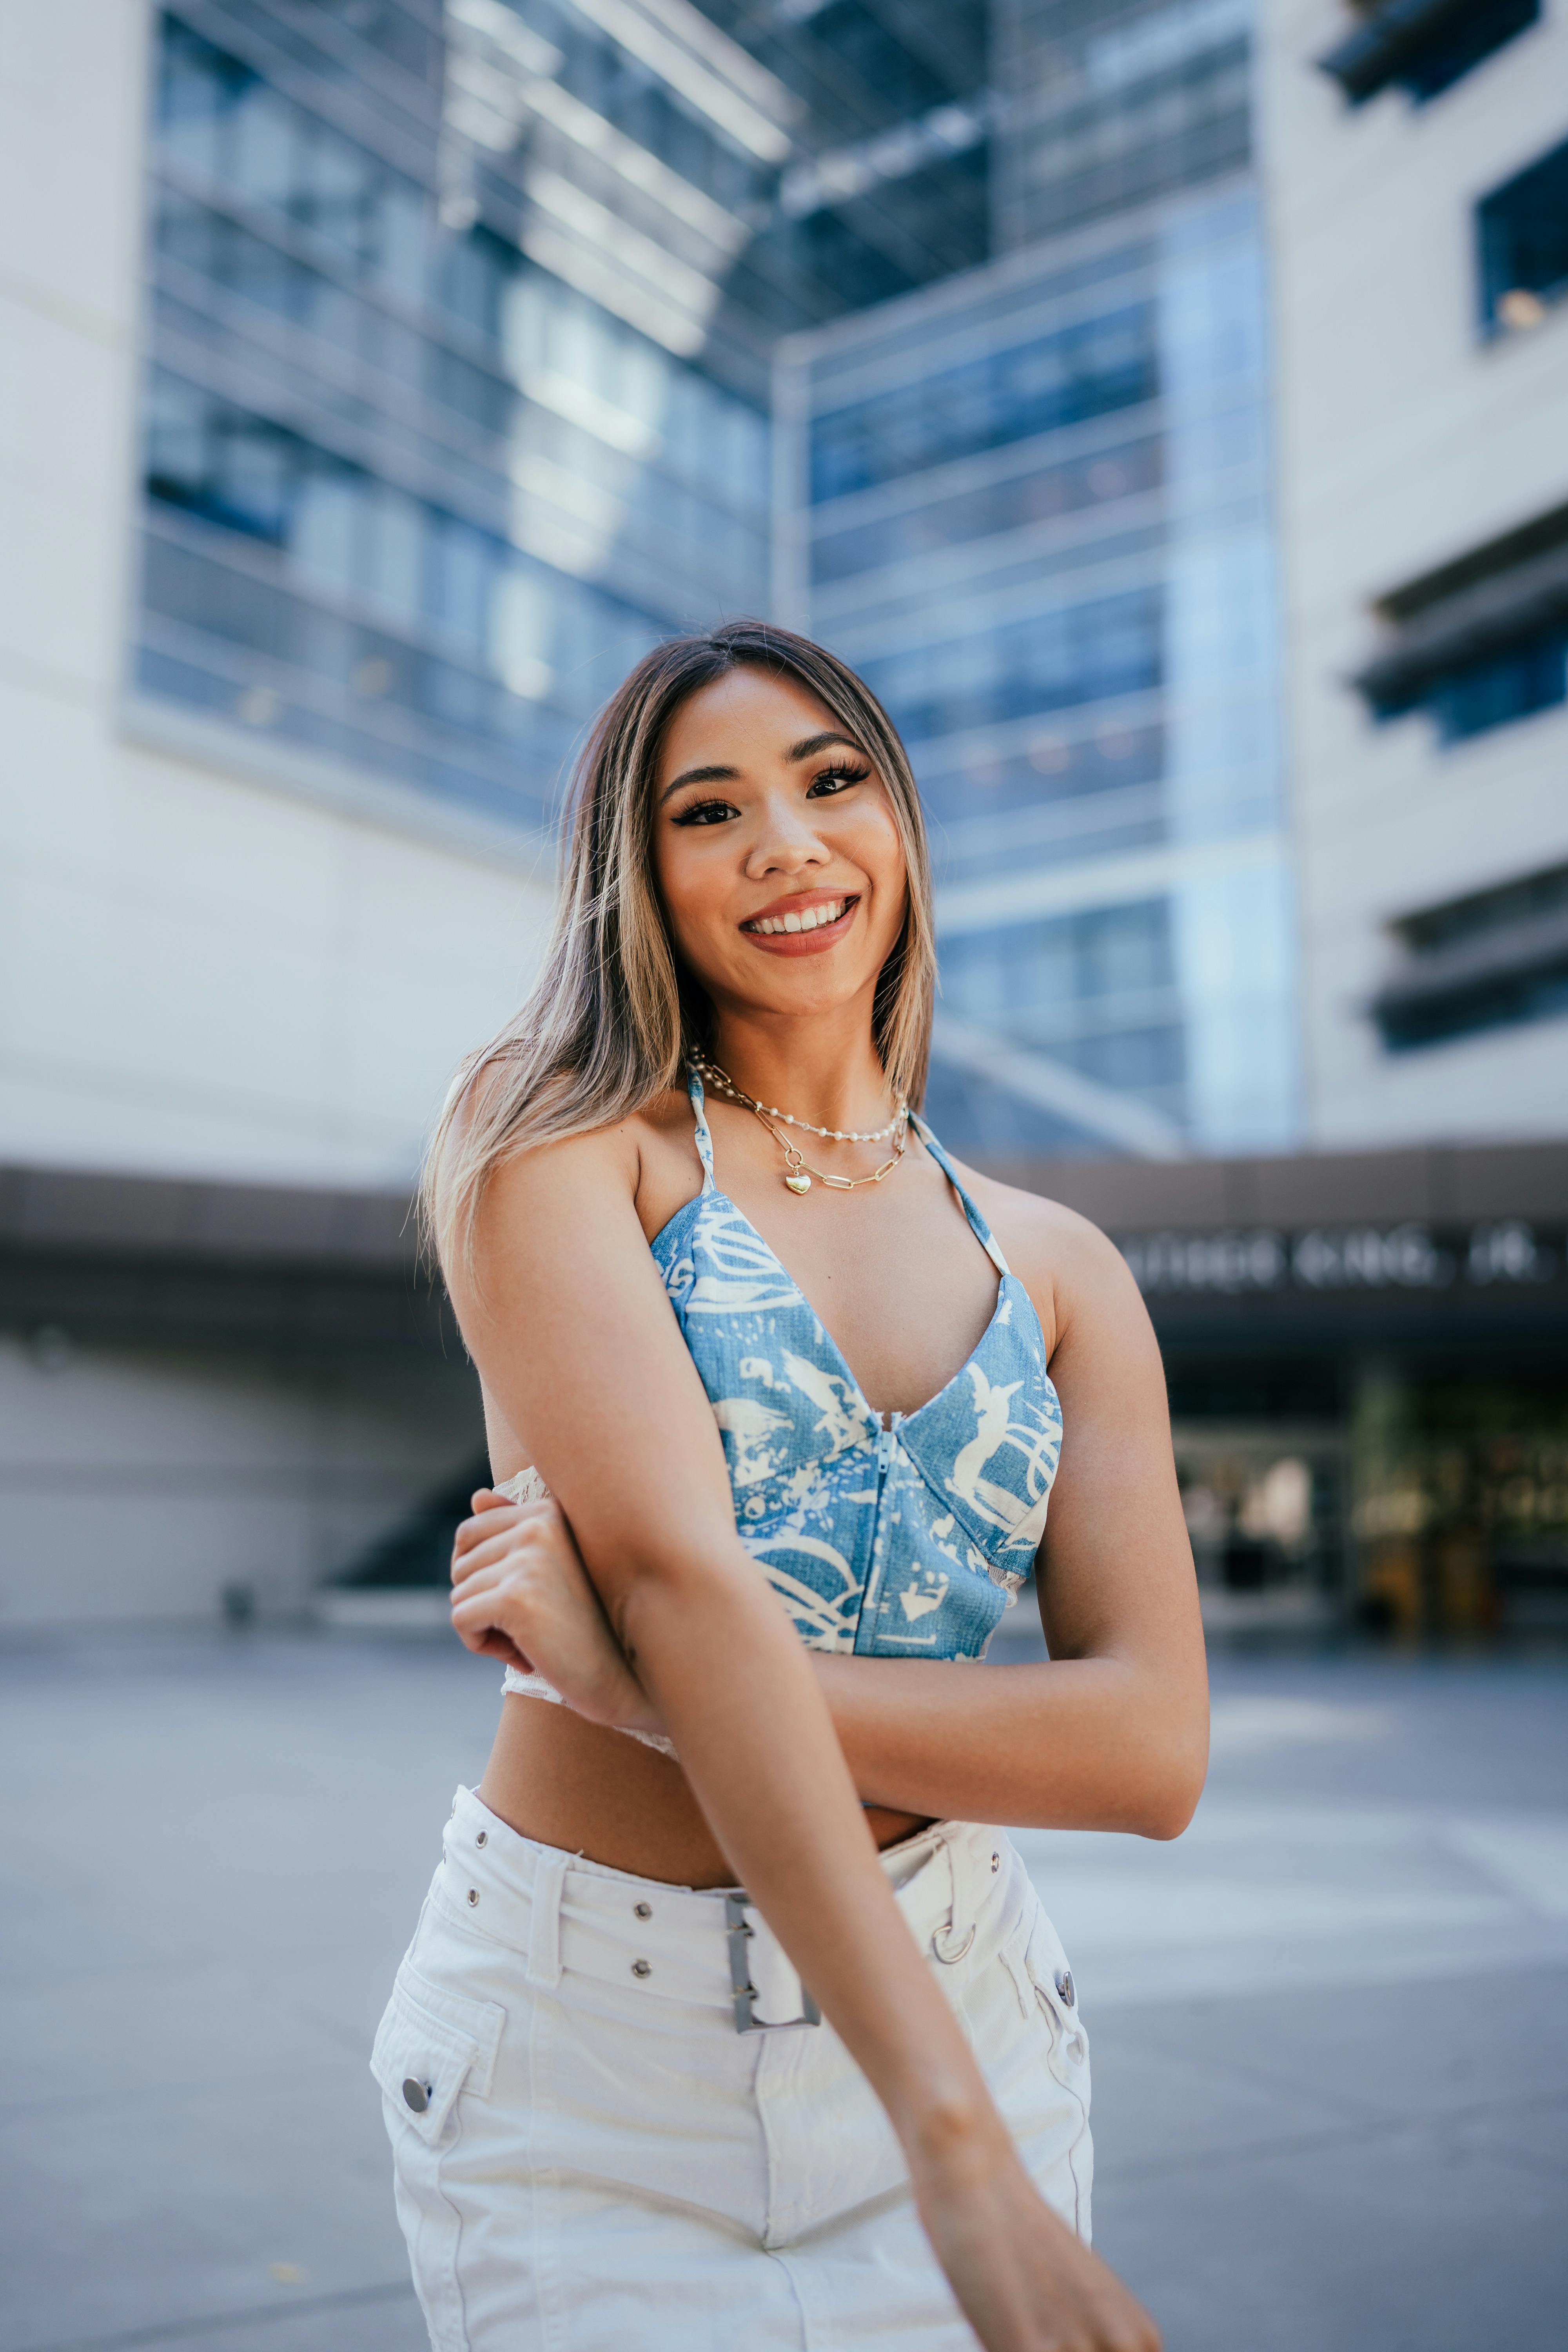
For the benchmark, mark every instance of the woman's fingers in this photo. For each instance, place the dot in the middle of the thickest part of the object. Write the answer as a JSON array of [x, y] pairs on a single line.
[[501, 1546], [483, 1525], [499, 1517], [477, 1605]]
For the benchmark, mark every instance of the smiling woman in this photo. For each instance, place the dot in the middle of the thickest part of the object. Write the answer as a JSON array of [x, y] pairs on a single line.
[[774, 1449]]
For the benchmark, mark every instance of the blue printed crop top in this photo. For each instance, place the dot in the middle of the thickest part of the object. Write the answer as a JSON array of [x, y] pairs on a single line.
[[907, 1540]]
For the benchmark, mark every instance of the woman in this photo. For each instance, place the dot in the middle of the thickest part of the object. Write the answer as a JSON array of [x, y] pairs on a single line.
[[617, 2119]]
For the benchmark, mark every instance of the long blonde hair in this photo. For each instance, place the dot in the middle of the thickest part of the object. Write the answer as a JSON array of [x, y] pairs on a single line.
[[615, 1015]]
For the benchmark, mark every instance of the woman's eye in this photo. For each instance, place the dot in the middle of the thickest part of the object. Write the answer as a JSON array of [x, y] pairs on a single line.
[[833, 779], [706, 813]]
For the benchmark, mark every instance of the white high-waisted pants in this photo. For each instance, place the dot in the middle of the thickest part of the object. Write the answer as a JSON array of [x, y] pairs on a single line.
[[590, 2156]]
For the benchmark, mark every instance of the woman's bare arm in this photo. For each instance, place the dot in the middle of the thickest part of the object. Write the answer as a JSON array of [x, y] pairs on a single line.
[[1113, 1733], [574, 1336]]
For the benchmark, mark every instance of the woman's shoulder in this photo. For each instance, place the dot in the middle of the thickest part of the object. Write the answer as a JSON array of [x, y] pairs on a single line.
[[1063, 1259], [648, 1155]]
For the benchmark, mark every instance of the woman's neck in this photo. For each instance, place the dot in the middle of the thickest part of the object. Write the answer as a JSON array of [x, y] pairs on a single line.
[[818, 1070]]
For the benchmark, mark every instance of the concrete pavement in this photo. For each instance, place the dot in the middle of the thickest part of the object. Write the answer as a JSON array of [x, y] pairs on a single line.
[[1330, 2073]]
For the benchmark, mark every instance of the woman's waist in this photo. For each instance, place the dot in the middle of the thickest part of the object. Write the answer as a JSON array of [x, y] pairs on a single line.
[[956, 1882], [564, 1782]]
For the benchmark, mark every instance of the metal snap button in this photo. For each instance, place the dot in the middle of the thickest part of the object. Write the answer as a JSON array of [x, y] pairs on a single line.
[[642, 1968], [473, 1896], [642, 1910], [417, 2095], [483, 1838], [1064, 1985], [996, 1861]]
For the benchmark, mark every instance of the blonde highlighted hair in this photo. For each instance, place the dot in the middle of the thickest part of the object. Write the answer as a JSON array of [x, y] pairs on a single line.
[[614, 1015]]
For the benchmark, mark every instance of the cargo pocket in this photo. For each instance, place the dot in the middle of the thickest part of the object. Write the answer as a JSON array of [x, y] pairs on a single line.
[[1050, 1980], [430, 2047], [1056, 1995]]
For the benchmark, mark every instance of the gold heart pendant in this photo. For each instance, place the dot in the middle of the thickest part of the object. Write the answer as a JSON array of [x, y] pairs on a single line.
[[798, 1183]]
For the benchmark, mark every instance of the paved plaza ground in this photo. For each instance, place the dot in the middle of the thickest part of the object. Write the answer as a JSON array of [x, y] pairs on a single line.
[[1330, 2056]]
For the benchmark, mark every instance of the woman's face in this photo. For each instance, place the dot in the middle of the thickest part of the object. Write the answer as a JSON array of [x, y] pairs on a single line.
[[775, 848]]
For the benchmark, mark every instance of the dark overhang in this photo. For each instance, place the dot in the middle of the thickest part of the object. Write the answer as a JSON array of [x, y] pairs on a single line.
[[1430, 1242], [1482, 614], [1437, 985], [1430, 1247], [1393, 40], [191, 1260]]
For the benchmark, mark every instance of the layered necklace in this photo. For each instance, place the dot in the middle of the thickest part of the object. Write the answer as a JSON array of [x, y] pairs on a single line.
[[798, 1175]]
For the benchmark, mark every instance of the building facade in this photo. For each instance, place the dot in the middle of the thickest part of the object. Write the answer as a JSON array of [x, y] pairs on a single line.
[[388, 377], [1033, 507], [1419, 195]]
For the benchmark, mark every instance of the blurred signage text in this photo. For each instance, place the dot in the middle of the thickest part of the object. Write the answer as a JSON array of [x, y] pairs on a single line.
[[1408, 1256]]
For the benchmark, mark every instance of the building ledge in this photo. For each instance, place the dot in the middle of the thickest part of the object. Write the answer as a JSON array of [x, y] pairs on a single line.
[[188, 1260]]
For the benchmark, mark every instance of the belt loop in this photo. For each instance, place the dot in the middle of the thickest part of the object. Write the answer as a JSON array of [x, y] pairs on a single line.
[[545, 1923], [951, 1943]]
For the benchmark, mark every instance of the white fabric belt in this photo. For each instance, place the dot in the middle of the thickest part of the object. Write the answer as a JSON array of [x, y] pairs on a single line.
[[565, 1915]]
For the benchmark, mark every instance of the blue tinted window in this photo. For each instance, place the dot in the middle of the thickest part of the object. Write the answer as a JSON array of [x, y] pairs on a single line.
[[1009, 505], [907, 82], [1081, 371], [1083, 987], [1050, 661], [1507, 686], [1523, 234]]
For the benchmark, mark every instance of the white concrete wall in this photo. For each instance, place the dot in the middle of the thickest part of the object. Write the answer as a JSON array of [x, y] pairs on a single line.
[[135, 1484], [197, 972], [1406, 440]]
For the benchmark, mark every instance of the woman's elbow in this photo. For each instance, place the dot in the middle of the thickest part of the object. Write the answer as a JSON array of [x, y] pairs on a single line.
[[1174, 1782]]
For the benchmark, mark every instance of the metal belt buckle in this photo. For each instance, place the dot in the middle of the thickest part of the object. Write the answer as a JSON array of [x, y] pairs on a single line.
[[738, 1928]]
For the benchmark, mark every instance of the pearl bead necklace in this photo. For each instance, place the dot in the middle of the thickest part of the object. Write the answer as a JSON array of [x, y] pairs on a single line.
[[706, 1069]]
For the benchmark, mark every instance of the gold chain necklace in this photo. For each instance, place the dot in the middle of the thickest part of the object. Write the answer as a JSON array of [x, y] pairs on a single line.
[[798, 1174]]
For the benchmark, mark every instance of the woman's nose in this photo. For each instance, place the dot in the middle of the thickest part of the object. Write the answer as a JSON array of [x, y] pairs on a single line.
[[786, 843]]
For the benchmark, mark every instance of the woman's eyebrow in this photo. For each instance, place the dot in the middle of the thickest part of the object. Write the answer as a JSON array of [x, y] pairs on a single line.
[[810, 745], [699, 776]]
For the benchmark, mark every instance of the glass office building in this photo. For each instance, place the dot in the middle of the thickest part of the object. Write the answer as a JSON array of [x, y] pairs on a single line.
[[415, 494], [461, 329], [459, 334], [1032, 506]]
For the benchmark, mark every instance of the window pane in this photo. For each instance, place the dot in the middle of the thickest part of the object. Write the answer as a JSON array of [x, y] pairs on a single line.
[[190, 102], [260, 158], [252, 480], [328, 520], [176, 440], [400, 236], [1523, 232], [394, 555]]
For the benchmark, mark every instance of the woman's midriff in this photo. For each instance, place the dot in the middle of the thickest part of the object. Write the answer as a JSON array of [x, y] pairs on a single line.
[[576, 1786]]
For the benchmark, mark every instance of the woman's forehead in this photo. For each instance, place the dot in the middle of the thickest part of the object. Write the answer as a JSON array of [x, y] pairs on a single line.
[[750, 712]]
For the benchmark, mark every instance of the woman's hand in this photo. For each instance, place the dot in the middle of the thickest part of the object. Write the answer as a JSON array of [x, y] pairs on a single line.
[[1025, 2282], [520, 1593]]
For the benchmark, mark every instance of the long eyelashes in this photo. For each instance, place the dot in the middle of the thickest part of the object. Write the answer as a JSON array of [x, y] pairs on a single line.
[[839, 776], [706, 813], [717, 812]]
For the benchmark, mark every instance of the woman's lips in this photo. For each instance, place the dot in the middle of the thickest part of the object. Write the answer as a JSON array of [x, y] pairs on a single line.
[[799, 943]]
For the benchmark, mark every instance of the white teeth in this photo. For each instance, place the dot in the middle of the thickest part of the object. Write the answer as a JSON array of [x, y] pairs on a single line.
[[811, 921]]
